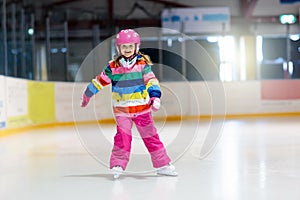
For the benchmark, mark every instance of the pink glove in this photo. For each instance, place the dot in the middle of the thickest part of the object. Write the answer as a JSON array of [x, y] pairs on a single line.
[[155, 103], [85, 100]]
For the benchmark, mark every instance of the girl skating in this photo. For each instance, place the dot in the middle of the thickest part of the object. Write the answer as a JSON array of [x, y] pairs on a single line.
[[135, 92]]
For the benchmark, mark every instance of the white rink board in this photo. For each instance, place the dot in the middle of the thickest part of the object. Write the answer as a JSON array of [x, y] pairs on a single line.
[[63, 101], [178, 99], [243, 97], [68, 103], [195, 99], [173, 99], [239, 98], [16, 97]]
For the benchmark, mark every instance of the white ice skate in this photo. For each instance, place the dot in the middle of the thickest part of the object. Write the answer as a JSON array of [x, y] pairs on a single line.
[[117, 171], [167, 170]]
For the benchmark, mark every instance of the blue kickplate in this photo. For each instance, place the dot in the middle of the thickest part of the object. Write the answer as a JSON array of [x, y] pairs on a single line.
[[2, 124]]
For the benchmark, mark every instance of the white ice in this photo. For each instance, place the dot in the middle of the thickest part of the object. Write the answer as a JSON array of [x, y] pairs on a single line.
[[254, 158]]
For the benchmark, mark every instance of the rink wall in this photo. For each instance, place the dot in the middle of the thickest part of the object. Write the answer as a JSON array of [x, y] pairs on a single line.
[[26, 103]]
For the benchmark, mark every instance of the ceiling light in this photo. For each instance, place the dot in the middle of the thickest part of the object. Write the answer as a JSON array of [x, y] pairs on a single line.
[[287, 19]]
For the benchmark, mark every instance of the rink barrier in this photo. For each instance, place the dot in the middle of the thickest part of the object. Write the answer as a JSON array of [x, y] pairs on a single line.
[[19, 130], [27, 104]]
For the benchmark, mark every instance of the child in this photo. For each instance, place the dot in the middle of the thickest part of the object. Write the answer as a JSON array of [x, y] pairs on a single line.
[[135, 91]]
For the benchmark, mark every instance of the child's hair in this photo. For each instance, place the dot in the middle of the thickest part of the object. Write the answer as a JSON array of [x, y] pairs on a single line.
[[145, 57]]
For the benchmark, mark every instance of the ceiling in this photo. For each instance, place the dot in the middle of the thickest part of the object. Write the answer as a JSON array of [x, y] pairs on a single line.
[[138, 13], [120, 8]]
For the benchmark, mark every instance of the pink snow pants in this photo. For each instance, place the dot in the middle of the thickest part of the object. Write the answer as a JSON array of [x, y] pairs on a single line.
[[122, 141]]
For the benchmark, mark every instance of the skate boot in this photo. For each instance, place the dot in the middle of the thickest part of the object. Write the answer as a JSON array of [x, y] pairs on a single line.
[[167, 170], [117, 171]]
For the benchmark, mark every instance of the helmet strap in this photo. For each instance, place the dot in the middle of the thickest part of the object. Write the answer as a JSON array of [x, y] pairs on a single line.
[[129, 58], [128, 62]]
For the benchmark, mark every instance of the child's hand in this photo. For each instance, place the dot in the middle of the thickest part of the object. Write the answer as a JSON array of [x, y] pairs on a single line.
[[155, 103], [85, 100]]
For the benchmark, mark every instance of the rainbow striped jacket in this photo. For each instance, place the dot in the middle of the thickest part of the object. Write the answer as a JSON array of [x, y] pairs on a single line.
[[132, 87]]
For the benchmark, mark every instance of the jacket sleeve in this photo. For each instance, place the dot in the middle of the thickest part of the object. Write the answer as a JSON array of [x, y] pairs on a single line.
[[151, 82], [101, 80]]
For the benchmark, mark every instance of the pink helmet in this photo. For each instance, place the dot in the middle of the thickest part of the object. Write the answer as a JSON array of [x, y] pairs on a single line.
[[128, 36]]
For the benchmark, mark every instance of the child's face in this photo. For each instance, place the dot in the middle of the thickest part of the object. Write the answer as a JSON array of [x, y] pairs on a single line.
[[127, 50]]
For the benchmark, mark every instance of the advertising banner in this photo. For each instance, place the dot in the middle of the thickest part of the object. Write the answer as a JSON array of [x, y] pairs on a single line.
[[197, 20], [2, 102], [16, 102], [41, 102], [280, 96], [280, 90]]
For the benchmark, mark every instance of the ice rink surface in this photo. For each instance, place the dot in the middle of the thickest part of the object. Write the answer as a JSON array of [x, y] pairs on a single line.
[[254, 158]]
